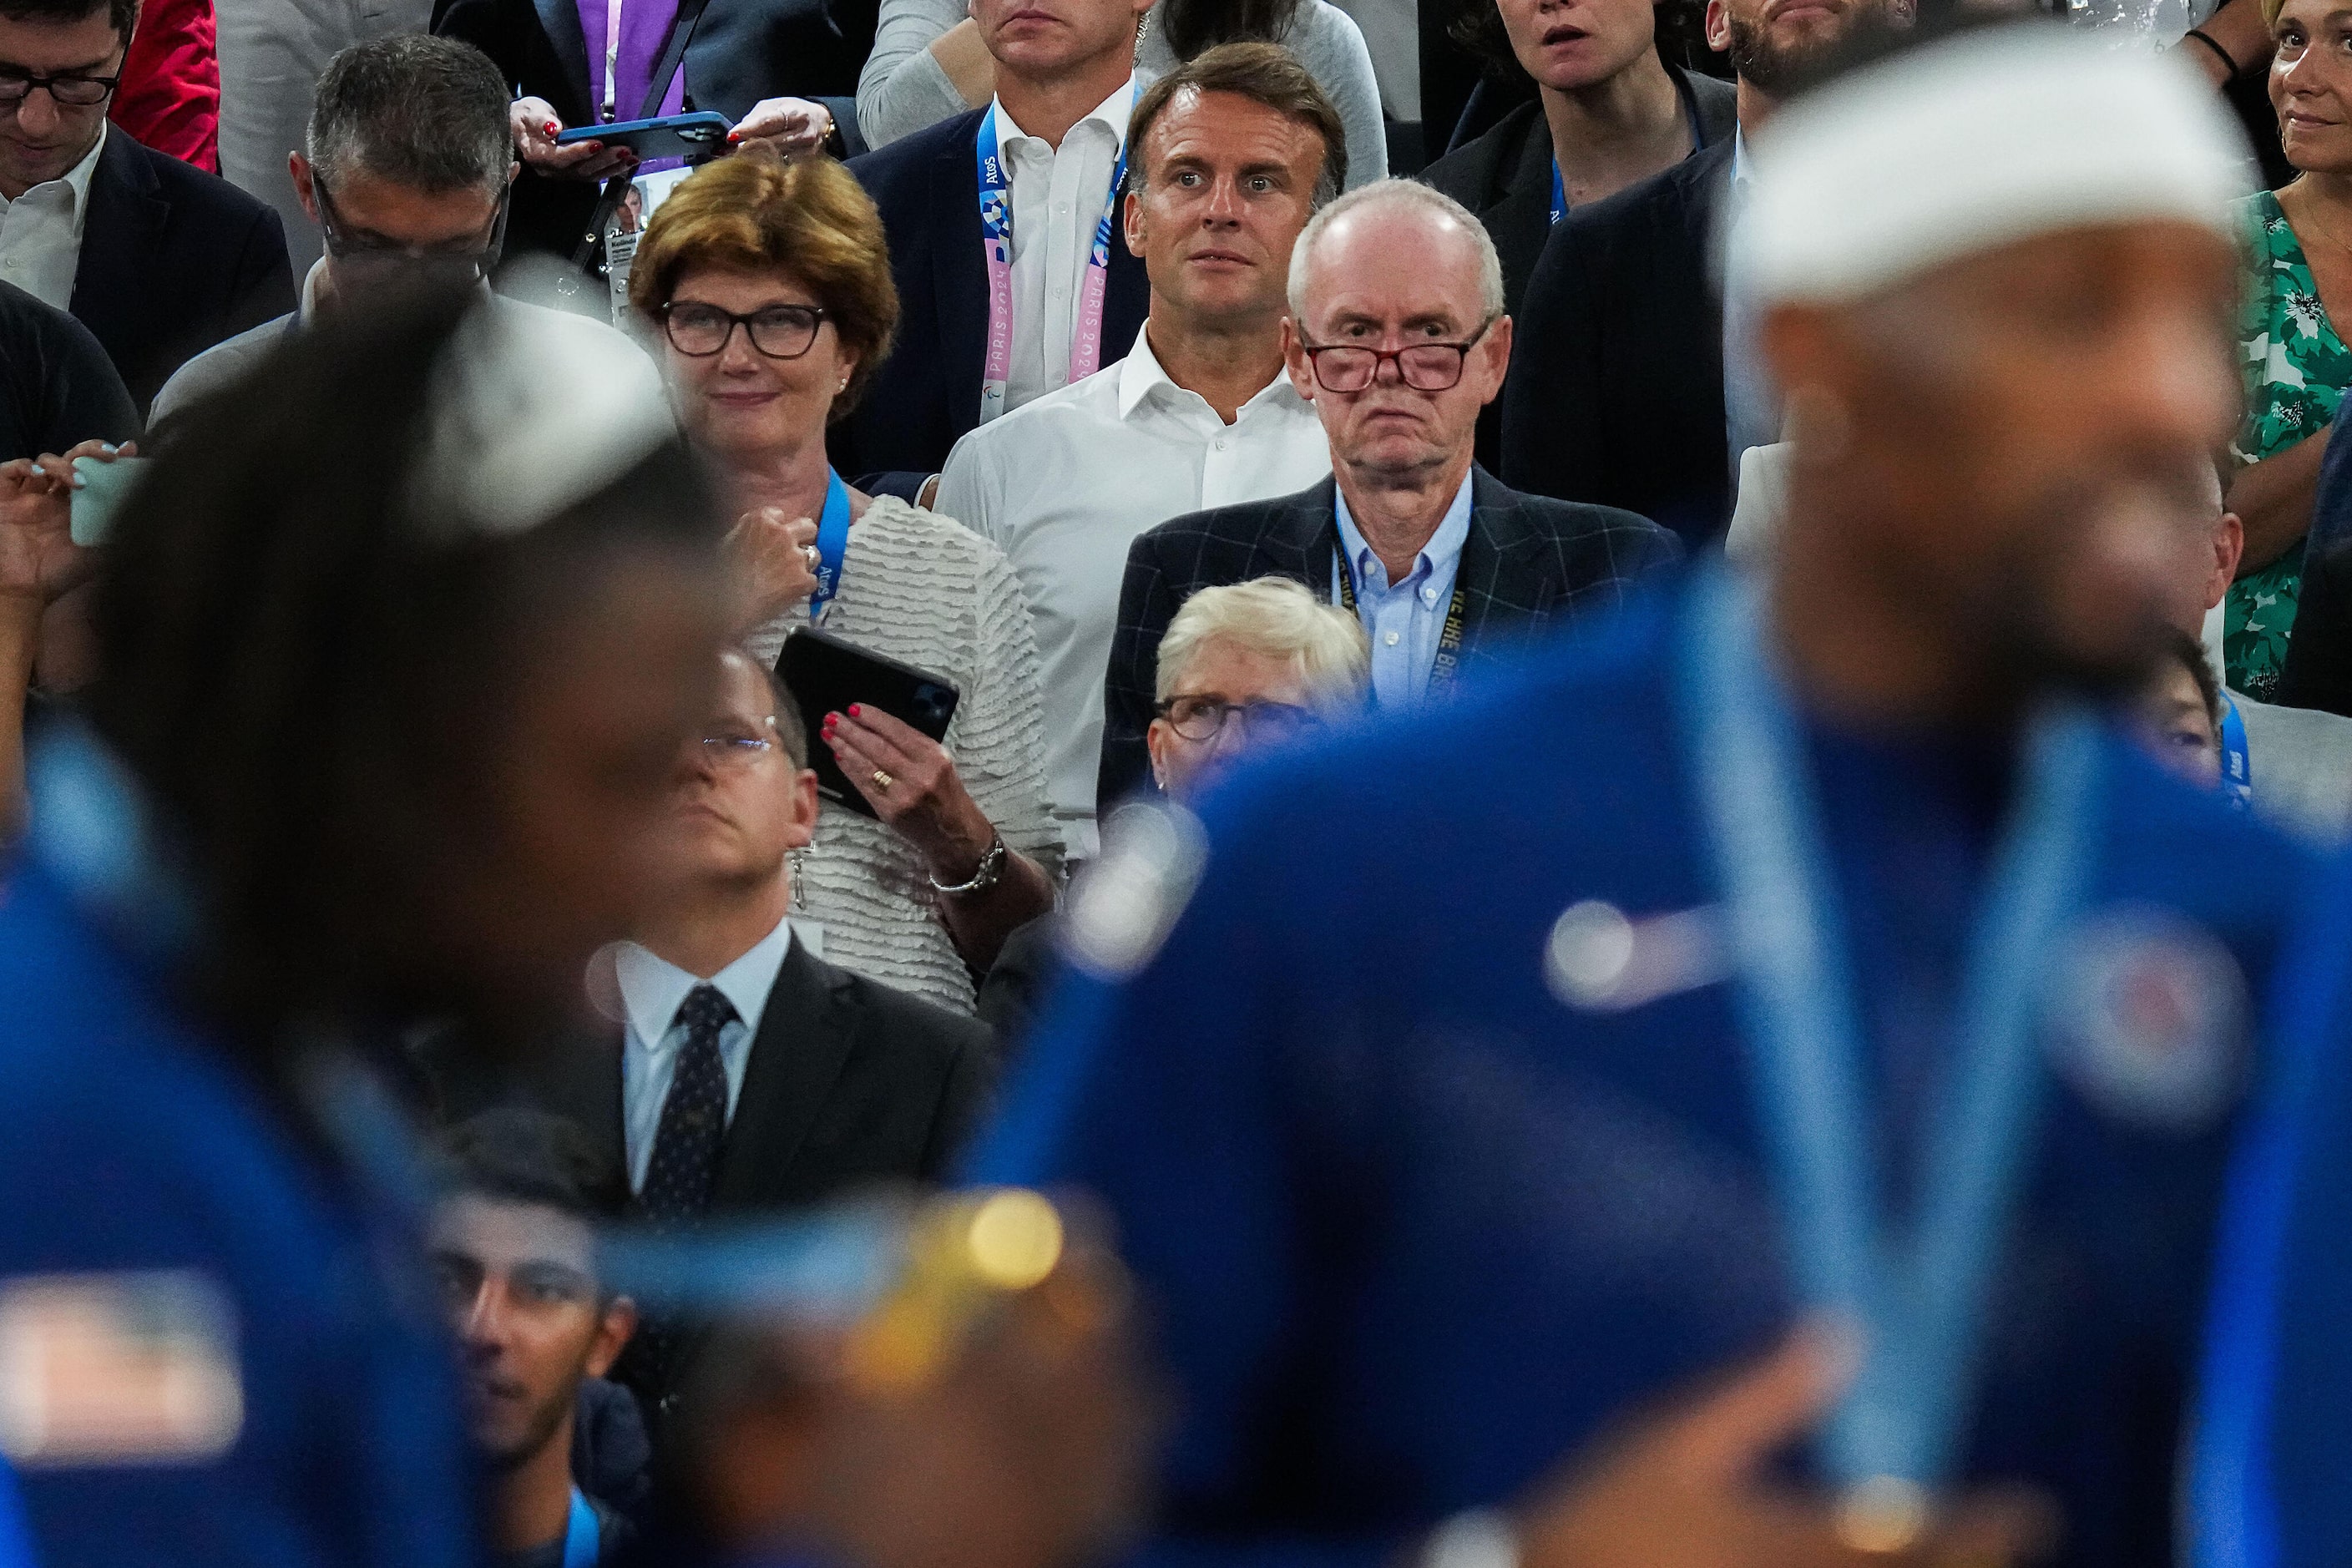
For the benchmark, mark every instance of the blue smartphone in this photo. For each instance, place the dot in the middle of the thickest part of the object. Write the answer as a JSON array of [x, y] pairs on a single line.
[[104, 486], [693, 137]]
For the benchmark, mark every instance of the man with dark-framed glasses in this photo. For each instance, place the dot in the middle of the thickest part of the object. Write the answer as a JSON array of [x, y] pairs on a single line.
[[406, 168], [1397, 334], [157, 259]]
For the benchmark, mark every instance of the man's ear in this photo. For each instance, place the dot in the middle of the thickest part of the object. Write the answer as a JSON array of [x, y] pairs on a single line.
[[805, 804], [1131, 221], [1294, 360], [1717, 24], [305, 185], [613, 1331]]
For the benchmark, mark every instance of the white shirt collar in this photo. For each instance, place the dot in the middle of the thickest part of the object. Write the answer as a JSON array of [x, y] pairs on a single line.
[[653, 989], [1140, 374], [78, 178], [1111, 112]]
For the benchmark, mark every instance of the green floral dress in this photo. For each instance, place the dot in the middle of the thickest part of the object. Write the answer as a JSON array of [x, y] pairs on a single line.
[[2296, 370]]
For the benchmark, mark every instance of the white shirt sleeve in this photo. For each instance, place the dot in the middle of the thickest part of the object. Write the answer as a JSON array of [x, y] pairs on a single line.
[[970, 486], [1001, 747], [903, 87]]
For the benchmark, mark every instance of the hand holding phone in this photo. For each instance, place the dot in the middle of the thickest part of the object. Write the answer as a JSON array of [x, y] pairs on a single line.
[[105, 483]]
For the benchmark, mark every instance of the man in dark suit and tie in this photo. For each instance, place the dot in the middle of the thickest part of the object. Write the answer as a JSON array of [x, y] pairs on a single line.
[[745, 1072], [1398, 335], [977, 339], [158, 260], [1620, 394]]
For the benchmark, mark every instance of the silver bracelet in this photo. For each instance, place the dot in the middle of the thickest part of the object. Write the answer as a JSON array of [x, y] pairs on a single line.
[[1479, 1538], [991, 867]]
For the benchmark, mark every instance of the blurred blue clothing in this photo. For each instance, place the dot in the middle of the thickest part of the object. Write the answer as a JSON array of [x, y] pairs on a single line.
[[134, 1140], [1412, 1228], [2272, 1479]]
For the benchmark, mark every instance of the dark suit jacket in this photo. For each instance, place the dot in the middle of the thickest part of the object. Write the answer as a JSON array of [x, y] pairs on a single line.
[[928, 392], [849, 1084], [742, 51], [1528, 563], [173, 260], [1504, 175], [1615, 394]]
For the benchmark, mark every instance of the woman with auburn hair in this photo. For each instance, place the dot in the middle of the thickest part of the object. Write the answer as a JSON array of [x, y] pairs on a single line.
[[769, 285]]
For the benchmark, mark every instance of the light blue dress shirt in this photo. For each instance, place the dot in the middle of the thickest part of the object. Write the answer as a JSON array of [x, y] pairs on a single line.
[[651, 991], [1404, 618]]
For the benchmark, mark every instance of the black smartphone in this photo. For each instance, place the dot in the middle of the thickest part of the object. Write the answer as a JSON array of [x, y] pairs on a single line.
[[826, 674], [693, 137]]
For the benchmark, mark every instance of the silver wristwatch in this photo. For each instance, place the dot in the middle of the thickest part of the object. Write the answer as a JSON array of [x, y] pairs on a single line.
[[992, 867]]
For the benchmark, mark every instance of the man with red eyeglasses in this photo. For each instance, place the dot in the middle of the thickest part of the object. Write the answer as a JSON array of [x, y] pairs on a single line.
[[1397, 336]]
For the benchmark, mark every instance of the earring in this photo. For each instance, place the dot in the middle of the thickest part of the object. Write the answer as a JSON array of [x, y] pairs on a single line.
[[844, 385]]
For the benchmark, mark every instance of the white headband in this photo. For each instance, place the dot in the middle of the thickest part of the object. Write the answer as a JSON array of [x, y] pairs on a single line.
[[1971, 144], [534, 410]]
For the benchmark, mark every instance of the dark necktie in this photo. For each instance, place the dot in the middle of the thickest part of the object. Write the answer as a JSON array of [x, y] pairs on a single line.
[[693, 1119]]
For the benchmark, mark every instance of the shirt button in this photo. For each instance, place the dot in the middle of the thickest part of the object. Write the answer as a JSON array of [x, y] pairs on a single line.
[[1429, 595], [1390, 639], [16, 261], [1221, 443]]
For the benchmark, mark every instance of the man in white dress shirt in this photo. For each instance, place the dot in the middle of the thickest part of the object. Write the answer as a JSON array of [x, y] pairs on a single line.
[[1004, 235], [1232, 153]]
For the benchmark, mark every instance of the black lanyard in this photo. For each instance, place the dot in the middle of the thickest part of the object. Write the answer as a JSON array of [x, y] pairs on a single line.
[[1449, 637]]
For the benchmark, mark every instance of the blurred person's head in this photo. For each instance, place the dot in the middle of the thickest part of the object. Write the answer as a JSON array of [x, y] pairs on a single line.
[[2311, 84], [72, 51], [1048, 42], [769, 285], [1776, 44], [402, 658], [1396, 329], [406, 163], [513, 1245], [1246, 663], [745, 798], [1233, 152], [1995, 285], [2177, 710]]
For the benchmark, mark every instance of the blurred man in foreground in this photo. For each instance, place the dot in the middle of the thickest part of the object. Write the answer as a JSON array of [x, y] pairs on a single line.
[[397, 662], [1698, 966]]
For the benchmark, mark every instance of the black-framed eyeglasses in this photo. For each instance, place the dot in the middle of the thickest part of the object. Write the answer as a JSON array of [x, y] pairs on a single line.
[[1202, 718], [780, 332], [1424, 367], [364, 259], [72, 91]]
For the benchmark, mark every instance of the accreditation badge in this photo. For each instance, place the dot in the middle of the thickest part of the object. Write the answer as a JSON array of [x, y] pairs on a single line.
[[2149, 1018]]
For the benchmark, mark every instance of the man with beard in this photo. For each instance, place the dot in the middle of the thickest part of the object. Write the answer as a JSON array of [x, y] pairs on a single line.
[[1439, 1162], [1627, 390], [515, 1251]]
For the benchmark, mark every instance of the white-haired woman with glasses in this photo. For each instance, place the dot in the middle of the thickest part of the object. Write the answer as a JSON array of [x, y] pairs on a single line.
[[769, 285], [1248, 664]]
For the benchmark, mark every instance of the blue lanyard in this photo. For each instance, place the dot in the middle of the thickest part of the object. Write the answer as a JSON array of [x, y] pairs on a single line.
[[832, 544], [1559, 194], [2237, 763], [1916, 1285], [580, 1543]]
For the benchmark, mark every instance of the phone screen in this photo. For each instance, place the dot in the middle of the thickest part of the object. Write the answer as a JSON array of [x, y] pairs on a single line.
[[105, 483]]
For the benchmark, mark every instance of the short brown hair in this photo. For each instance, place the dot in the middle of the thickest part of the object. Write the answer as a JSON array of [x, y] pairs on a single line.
[[1262, 73], [812, 220]]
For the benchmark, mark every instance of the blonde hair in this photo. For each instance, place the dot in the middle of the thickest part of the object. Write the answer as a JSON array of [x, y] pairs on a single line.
[[810, 220], [1278, 618]]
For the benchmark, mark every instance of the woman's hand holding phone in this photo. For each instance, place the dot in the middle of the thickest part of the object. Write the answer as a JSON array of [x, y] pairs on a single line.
[[535, 125]]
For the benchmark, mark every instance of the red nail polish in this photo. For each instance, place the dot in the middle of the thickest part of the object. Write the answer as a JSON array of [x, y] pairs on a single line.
[[552, 128], [734, 136], [854, 709]]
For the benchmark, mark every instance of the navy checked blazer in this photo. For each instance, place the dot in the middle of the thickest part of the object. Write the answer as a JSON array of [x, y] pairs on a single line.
[[1529, 563]]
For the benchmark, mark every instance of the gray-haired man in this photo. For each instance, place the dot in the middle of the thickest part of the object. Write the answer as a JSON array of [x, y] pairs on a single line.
[[405, 168]]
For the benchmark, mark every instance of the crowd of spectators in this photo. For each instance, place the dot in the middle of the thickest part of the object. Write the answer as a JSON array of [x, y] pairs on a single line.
[[430, 851]]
